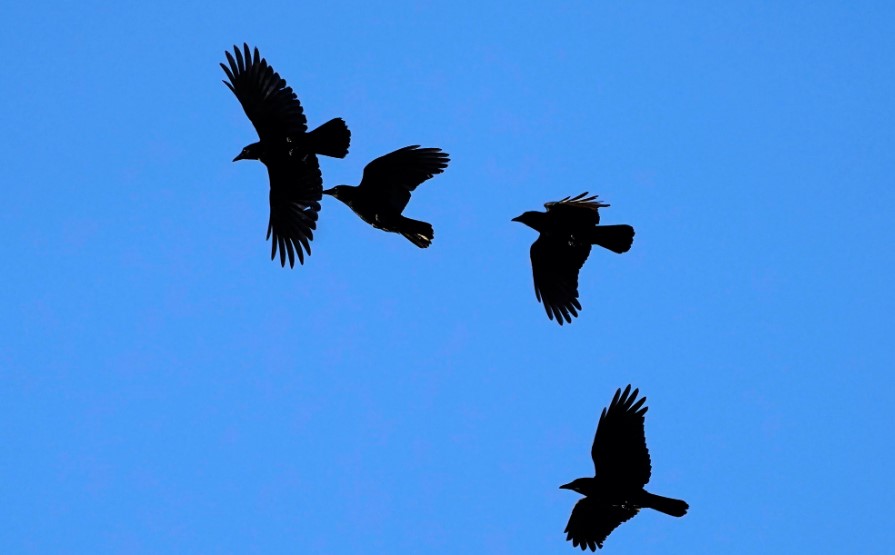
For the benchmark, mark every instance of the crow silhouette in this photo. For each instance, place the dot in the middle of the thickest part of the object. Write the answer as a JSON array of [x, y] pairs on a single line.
[[622, 465], [286, 148], [567, 230], [385, 188]]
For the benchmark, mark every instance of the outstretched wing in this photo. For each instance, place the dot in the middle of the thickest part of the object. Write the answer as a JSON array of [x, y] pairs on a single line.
[[555, 264], [592, 522], [390, 179], [582, 209], [619, 451], [270, 104], [296, 188]]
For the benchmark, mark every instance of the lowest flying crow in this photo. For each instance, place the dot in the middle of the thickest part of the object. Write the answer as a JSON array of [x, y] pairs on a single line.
[[286, 148], [385, 188], [567, 230], [622, 465]]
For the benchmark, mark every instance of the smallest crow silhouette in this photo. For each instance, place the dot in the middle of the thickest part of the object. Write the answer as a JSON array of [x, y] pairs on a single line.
[[622, 465], [567, 230], [385, 190]]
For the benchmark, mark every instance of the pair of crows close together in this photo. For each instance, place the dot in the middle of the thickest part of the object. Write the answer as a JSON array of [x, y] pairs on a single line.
[[566, 232]]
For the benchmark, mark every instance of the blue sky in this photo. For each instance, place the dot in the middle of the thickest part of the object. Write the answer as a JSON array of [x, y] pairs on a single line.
[[165, 388]]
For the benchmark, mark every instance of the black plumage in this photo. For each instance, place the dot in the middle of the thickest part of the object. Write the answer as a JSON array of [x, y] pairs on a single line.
[[622, 465], [567, 230], [285, 148], [385, 189]]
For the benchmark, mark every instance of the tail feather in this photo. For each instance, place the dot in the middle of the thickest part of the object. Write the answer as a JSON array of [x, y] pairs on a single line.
[[418, 233], [330, 139], [617, 238], [667, 505]]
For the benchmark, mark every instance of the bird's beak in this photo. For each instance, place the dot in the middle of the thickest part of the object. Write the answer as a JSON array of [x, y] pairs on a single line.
[[239, 157], [517, 219], [566, 486], [329, 191]]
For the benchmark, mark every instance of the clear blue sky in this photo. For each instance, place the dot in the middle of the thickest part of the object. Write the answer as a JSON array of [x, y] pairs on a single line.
[[165, 388]]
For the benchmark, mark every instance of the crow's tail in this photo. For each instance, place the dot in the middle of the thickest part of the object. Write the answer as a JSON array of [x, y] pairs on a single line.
[[617, 238], [418, 233], [667, 505], [330, 139]]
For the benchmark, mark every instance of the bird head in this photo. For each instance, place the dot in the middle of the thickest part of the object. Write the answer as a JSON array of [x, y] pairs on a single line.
[[341, 192], [581, 485], [251, 152], [531, 219]]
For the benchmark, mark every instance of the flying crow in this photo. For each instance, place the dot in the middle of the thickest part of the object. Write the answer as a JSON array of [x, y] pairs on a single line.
[[385, 190], [567, 230], [286, 148], [622, 466]]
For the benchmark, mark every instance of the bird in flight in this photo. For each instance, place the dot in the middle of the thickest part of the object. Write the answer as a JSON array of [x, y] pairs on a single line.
[[385, 188], [622, 465], [285, 148], [566, 232]]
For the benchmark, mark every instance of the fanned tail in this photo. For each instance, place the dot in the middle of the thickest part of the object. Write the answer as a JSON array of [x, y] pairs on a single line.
[[418, 233], [330, 139], [617, 238]]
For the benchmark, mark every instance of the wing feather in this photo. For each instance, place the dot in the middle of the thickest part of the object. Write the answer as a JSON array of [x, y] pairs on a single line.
[[391, 178], [270, 104], [619, 450], [555, 266], [296, 188], [581, 209], [591, 522]]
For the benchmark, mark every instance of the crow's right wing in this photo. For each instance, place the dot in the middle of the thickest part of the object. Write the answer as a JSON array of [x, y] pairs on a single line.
[[555, 265], [592, 522], [296, 188]]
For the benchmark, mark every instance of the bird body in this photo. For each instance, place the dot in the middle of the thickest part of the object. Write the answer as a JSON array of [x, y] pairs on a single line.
[[622, 464], [567, 230], [380, 215], [385, 190], [613, 494], [285, 148], [329, 140]]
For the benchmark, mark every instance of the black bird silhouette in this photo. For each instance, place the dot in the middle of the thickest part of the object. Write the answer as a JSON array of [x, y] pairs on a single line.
[[567, 230], [622, 464], [286, 148], [385, 190]]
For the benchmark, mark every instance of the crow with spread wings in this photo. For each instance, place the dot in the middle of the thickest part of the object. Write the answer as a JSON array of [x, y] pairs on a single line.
[[286, 148], [385, 188], [567, 230], [622, 464]]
